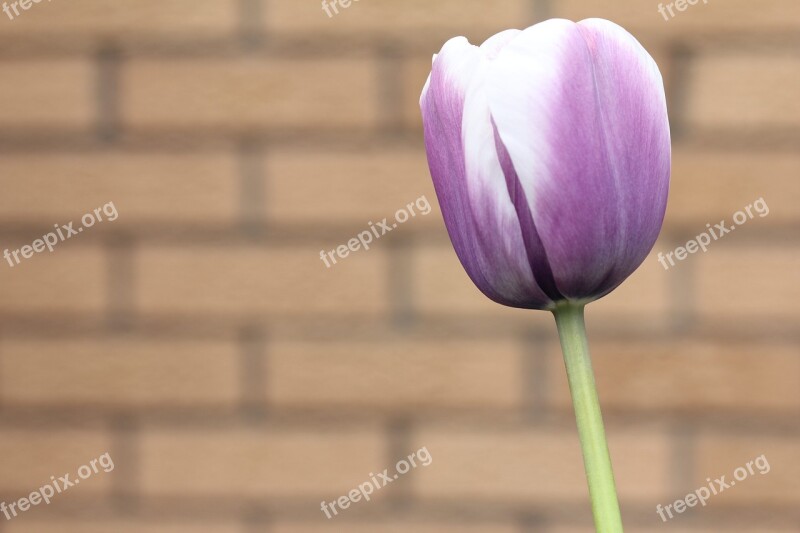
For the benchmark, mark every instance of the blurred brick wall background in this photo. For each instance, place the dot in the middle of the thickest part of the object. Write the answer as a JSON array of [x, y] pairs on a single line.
[[237, 382]]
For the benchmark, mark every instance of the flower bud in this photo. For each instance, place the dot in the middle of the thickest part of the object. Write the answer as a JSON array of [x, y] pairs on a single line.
[[549, 150]]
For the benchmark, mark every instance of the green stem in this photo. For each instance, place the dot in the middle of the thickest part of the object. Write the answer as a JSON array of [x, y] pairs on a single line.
[[596, 460]]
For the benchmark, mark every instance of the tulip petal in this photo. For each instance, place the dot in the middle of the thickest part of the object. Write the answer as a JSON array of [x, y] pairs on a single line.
[[468, 177], [631, 91], [580, 109]]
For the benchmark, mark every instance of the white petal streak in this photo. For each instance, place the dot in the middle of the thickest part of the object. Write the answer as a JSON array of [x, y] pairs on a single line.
[[524, 83], [497, 224]]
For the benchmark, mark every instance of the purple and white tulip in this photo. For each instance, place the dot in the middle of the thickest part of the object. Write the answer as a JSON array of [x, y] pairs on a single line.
[[550, 155]]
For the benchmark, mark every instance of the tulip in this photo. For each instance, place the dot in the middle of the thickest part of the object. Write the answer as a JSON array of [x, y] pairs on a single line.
[[549, 150]]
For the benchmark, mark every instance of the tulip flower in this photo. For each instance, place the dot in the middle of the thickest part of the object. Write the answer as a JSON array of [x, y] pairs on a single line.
[[549, 150]]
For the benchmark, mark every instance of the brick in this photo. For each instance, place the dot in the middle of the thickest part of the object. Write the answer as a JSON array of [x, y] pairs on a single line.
[[396, 527], [259, 464], [441, 287], [386, 18], [126, 18], [246, 279], [47, 94], [570, 529], [132, 526], [711, 186], [719, 455], [118, 372], [144, 187], [743, 91], [538, 465], [689, 375], [643, 296], [34, 456], [730, 16], [415, 72], [361, 186], [250, 94], [410, 374], [71, 279], [743, 283]]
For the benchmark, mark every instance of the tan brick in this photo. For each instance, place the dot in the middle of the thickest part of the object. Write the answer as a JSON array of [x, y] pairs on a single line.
[[249, 463], [244, 279], [441, 286], [555, 528], [245, 94], [731, 15], [362, 186], [719, 455], [711, 186], [444, 18], [398, 527], [570, 529], [131, 526], [740, 91], [575, 529], [144, 187], [71, 278], [538, 465], [118, 372], [643, 296], [47, 94], [408, 373], [123, 18], [687, 375], [415, 72], [748, 282], [32, 457]]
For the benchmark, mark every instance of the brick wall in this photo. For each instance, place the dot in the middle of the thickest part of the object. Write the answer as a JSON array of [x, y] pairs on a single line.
[[237, 382]]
